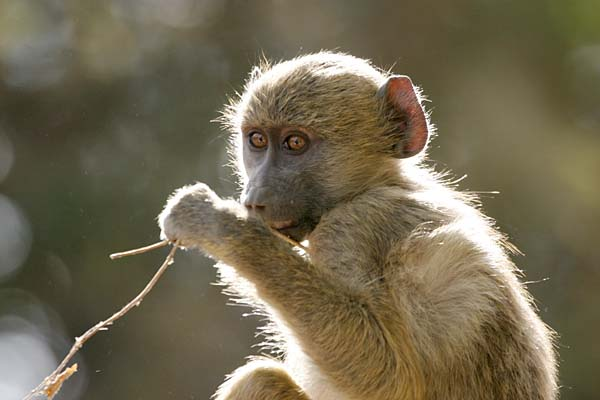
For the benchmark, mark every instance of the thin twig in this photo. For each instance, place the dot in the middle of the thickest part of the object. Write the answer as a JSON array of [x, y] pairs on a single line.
[[141, 250], [49, 385], [288, 239]]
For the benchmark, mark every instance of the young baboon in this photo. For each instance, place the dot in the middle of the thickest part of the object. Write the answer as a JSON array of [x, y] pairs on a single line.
[[406, 290]]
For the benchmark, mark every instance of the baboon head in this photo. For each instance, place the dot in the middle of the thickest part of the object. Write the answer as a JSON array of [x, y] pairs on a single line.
[[318, 130]]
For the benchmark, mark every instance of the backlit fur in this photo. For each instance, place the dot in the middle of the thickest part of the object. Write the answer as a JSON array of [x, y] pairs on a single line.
[[407, 290]]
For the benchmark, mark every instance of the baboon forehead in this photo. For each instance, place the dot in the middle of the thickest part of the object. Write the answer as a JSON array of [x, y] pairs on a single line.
[[312, 95]]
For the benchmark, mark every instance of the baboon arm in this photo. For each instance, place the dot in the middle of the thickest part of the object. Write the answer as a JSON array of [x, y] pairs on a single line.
[[334, 326]]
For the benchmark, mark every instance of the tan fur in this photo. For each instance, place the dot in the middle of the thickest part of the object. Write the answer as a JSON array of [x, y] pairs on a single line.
[[407, 291], [261, 379]]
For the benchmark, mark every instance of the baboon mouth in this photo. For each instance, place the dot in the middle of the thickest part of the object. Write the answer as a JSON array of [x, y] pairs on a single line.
[[279, 225]]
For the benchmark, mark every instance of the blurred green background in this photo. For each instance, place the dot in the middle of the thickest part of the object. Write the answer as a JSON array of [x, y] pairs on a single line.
[[105, 109]]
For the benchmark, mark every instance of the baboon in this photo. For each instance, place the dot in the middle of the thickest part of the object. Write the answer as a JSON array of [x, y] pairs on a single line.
[[406, 290]]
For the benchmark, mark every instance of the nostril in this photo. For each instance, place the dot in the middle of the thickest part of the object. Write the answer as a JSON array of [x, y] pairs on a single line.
[[255, 207]]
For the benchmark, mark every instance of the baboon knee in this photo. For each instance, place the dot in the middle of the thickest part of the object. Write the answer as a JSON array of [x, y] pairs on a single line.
[[261, 380]]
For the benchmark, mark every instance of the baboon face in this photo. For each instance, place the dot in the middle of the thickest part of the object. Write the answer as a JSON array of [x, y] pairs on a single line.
[[281, 165], [318, 131]]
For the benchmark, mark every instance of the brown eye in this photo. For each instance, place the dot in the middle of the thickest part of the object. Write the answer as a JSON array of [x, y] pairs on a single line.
[[258, 140], [295, 143]]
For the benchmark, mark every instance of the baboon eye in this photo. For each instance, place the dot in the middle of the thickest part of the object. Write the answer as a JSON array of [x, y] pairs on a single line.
[[294, 143], [258, 140]]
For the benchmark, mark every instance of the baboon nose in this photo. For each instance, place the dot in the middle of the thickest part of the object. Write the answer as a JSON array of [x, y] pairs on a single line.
[[255, 200]]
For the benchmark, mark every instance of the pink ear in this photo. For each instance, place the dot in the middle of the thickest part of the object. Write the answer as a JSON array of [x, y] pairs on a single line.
[[400, 93]]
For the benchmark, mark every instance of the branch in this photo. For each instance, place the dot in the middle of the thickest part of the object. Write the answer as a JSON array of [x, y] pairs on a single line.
[[53, 382], [288, 239], [141, 250]]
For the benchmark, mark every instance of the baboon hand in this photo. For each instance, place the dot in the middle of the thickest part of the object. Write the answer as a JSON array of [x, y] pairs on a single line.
[[189, 212]]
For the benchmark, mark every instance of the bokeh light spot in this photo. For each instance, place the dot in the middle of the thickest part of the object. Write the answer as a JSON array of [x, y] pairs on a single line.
[[7, 155], [15, 237]]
